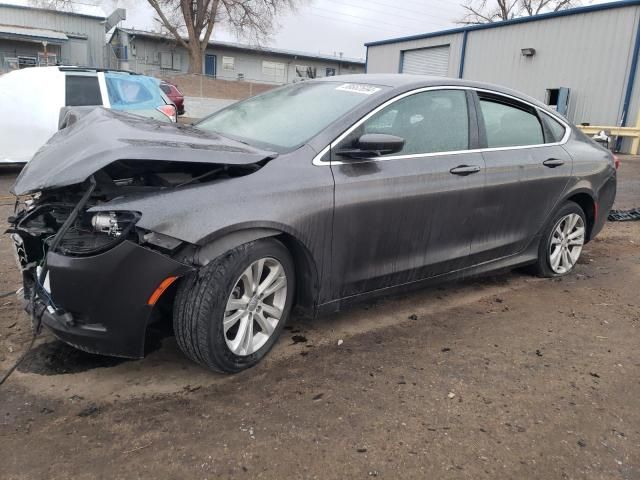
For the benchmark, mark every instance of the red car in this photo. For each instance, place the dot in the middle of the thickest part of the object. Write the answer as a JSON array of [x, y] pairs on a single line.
[[175, 95]]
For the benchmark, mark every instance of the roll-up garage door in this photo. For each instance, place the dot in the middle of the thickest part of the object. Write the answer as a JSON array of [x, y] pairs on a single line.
[[426, 61]]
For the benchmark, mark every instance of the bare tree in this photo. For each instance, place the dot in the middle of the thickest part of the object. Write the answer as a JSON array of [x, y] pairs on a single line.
[[192, 22], [488, 11]]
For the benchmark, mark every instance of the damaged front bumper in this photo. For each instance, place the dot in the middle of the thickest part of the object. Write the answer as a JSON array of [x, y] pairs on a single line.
[[92, 279], [100, 303]]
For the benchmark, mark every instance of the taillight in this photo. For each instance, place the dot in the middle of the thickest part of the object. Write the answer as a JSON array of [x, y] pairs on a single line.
[[169, 111], [616, 162]]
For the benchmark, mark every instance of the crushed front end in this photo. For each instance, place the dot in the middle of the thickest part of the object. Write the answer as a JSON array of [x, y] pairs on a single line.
[[91, 278], [92, 272]]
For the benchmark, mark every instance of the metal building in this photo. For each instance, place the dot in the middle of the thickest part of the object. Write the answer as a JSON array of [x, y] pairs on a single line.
[[32, 36], [153, 53], [583, 61]]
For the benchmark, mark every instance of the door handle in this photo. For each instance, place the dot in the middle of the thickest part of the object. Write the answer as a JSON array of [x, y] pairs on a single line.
[[553, 163], [465, 170]]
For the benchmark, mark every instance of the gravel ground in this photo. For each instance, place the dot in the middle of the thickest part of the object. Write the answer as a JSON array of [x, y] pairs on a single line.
[[502, 377]]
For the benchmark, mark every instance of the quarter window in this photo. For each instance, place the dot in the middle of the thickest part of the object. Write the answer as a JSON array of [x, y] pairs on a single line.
[[507, 125], [556, 129], [430, 122]]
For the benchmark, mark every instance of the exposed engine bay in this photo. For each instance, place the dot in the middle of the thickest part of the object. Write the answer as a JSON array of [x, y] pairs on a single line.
[[61, 220]]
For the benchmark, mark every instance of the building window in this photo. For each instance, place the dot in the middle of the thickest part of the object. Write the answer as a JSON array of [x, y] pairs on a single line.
[[304, 71], [274, 71], [330, 72], [552, 96], [558, 99], [229, 63], [47, 60], [25, 62], [170, 61], [120, 52]]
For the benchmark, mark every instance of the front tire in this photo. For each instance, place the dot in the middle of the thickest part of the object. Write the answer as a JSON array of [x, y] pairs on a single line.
[[562, 242], [229, 314]]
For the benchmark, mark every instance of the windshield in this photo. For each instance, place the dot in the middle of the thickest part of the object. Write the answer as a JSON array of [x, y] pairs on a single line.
[[288, 117]]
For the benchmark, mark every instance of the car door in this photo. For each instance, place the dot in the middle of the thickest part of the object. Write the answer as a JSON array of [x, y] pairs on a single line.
[[527, 170], [410, 215]]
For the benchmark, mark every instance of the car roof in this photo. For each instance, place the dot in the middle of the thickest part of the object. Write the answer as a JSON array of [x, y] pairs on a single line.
[[66, 68], [63, 69], [405, 81], [402, 80]]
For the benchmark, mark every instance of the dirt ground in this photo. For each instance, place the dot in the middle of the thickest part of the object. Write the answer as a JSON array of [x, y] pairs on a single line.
[[502, 377]]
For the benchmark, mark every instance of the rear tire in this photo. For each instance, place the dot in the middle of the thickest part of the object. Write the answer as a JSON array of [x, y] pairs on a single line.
[[562, 242], [224, 318]]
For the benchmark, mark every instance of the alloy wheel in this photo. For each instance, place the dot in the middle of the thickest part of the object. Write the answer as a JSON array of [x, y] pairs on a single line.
[[567, 241], [255, 306]]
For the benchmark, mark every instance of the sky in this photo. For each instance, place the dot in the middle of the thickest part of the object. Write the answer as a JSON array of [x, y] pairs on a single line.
[[334, 26]]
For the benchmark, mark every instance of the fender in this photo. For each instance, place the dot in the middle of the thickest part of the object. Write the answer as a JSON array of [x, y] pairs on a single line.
[[212, 250], [590, 206], [307, 274], [577, 190]]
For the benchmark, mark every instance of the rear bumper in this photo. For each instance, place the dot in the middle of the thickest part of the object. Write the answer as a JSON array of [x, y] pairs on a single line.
[[101, 301], [605, 199]]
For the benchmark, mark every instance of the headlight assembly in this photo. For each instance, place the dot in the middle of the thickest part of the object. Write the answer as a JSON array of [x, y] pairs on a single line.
[[93, 233], [113, 223]]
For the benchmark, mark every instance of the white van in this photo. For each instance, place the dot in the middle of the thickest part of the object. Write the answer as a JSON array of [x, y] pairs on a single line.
[[32, 99]]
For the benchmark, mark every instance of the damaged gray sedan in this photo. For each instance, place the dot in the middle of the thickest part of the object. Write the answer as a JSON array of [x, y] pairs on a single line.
[[310, 196]]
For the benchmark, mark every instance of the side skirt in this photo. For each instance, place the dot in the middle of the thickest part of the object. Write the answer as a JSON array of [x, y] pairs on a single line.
[[526, 257]]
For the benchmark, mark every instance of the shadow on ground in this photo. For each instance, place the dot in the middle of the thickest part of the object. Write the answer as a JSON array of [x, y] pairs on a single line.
[[57, 358]]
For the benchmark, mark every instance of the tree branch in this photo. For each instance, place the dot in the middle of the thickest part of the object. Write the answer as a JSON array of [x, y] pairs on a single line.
[[485, 11], [165, 21]]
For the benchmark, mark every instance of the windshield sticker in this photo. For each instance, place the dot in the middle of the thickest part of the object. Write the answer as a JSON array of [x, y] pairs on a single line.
[[358, 88]]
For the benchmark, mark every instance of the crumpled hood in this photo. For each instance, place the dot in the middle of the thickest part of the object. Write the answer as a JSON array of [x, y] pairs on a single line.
[[104, 136]]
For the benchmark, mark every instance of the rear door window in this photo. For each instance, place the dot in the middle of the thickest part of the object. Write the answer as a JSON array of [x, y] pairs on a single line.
[[82, 90], [510, 124], [133, 92]]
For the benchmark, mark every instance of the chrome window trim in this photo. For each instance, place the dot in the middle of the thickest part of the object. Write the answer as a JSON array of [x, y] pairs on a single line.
[[317, 160]]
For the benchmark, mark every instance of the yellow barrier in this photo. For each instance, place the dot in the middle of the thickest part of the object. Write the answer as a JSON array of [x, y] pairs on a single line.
[[633, 132]]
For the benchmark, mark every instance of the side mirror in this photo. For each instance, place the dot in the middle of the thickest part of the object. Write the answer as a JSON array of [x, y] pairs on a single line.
[[373, 145]]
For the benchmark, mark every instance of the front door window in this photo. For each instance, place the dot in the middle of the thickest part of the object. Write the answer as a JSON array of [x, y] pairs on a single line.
[[430, 122]]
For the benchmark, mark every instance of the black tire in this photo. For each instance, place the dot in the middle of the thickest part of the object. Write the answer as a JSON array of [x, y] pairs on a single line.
[[201, 300], [542, 267]]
